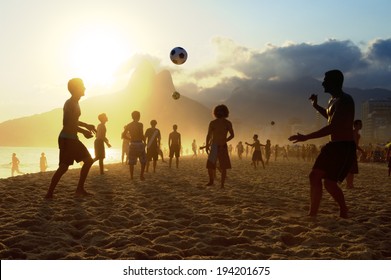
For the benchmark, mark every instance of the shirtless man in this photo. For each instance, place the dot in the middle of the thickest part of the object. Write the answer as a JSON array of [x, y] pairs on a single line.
[[336, 157], [71, 148], [216, 144], [152, 135], [137, 144], [174, 143]]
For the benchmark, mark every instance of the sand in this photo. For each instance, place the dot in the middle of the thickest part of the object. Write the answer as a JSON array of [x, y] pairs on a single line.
[[261, 214]]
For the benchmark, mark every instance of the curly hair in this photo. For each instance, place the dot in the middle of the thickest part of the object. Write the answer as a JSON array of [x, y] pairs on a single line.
[[221, 111]]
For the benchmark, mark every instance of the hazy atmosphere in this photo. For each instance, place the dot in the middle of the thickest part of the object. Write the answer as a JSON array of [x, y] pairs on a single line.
[[271, 180], [230, 44]]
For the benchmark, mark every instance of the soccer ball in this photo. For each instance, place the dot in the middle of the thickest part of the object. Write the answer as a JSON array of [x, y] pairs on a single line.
[[176, 95], [178, 55]]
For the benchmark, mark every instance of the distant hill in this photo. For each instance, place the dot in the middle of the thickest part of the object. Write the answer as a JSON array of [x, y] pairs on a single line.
[[147, 92]]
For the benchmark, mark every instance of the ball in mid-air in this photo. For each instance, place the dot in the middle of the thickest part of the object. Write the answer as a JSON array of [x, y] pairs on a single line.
[[178, 55], [272, 123], [176, 95]]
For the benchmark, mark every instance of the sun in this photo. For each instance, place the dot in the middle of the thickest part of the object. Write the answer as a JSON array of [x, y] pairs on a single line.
[[96, 53]]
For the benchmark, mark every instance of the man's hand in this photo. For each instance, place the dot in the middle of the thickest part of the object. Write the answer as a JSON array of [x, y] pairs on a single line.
[[91, 128], [207, 148], [314, 99], [87, 134], [297, 138]]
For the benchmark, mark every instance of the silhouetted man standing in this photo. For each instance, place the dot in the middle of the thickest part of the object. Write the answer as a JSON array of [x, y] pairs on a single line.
[[336, 157], [71, 148]]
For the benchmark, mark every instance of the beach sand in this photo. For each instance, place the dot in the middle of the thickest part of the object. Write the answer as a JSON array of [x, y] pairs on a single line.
[[261, 214]]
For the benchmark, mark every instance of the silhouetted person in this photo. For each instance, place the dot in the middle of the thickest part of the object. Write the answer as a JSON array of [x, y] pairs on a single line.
[[137, 144], [194, 148], [268, 150], [71, 148], [153, 138], [160, 152], [125, 146], [389, 159], [276, 150], [43, 163], [257, 154], [220, 131], [15, 165], [100, 141], [285, 153], [174, 144], [230, 149], [357, 125], [240, 149], [336, 157]]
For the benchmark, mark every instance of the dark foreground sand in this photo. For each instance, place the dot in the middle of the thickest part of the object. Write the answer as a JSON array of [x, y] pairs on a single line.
[[261, 214]]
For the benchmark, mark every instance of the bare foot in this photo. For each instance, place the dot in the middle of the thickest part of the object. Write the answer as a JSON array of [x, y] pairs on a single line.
[[344, 213], [83, 193]]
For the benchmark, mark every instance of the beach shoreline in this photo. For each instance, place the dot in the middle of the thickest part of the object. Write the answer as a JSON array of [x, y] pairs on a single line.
[[261, 214]]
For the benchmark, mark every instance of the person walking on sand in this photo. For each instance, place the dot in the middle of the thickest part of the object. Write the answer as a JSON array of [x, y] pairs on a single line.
[[15, 165], [71, 148], [43, 163], [125, 146], [152, 136], [100, 141], [257, 154], [174, 144], [336, 157], [137, 144], [357, 125], [220, 131]]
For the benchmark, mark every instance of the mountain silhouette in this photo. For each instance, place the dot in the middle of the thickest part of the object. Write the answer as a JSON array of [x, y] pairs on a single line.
[[253, 107], [147, 91]]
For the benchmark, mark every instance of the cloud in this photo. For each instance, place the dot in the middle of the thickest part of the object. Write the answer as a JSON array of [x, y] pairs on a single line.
[[236, 65], [380, 51]]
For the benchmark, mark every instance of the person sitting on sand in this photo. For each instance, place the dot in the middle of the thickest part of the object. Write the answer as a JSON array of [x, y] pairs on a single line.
[[257, 154], [174, 144], [100, 141], [137, 144], [336, 157], [71, 148], [216, 144]]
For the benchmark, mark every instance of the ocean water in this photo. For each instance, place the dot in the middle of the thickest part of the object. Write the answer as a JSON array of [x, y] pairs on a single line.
[[29, 159]]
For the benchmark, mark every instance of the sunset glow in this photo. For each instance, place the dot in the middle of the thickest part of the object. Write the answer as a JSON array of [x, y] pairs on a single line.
[[96, 53]]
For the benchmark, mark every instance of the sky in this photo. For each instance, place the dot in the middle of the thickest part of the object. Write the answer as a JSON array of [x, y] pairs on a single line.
[[44, 43]]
